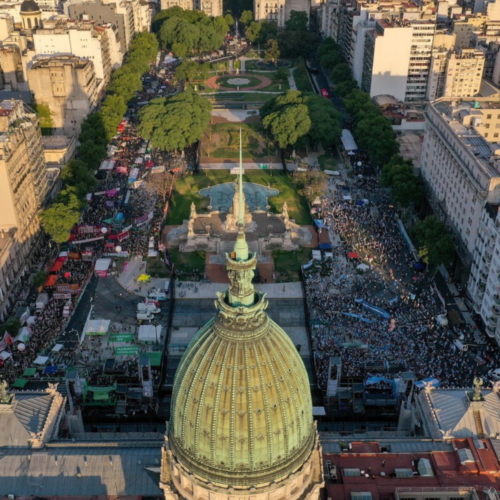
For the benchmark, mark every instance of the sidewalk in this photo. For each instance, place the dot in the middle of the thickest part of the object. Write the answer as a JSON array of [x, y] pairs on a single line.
[[128, 279], [194, 290]]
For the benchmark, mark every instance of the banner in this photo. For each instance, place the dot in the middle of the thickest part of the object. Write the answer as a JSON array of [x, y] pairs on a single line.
[[121, 170], [111, 192], [7, 340], [66, 288], [61, 296], [126, 350], [144, 219], [79, 242], [121, 337], [157, 170], [123, 235], [87, 255]]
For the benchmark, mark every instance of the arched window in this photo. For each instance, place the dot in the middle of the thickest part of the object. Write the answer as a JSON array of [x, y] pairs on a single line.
[[29, 22], [36, 22]]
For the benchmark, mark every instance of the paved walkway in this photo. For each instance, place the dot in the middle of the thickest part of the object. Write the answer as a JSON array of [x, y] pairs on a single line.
[[128, 278], [291, 80], [264, 82], [193, 290]]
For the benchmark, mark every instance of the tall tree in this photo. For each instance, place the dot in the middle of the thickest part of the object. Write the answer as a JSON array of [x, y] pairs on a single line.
[[175, 123], [246, 17], [76, 173], [298, 21], [312, 184], [434, 241], [272, 52]]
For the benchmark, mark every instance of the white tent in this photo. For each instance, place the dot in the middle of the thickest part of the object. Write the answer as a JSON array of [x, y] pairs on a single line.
[[57, 347], [107, 165], [316, 254], [23, 335], [96, 327], [5, 355], [102, 264], [348, 140], [149, 333], [41, 360], [31, 320], [363, 267]]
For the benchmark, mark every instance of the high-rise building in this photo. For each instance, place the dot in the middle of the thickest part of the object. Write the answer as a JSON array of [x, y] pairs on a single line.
[[67, 85], [83, 39], [241, 422], [455, 73], [461, 168], [279, 10], [23, 185], [210, 7], [397, 58]]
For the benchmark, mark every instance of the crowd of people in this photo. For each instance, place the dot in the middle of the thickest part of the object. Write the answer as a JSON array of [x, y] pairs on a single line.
[[123, 215], [370, 306]]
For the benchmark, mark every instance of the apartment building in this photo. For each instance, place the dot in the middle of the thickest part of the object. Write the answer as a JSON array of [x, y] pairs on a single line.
[[210, 7], [68, 86], [83, 39], [464, 25], [328, 18], [279, 10], [455, 73], [23, 190], [461, 167], [397, 58]]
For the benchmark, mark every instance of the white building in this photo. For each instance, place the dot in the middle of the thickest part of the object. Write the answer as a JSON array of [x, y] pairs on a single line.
[[461, 168], [455, 73], [397, 59], [82, 39], [279, 10], [211, 8]]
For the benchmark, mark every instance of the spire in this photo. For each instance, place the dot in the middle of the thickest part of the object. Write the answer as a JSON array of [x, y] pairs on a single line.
[[241, 246]]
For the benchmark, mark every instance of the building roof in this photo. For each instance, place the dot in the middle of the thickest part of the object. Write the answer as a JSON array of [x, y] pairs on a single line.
[[114, 470], [29, 6], [26, 415]]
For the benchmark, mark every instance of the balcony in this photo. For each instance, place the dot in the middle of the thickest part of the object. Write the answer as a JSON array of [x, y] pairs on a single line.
[[490, 331], [495, 310], [491, 320]]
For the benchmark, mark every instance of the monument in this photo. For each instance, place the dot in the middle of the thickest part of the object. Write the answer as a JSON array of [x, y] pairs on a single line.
[[215, 231]]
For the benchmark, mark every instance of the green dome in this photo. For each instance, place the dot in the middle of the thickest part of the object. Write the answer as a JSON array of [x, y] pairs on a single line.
[[241, 406]]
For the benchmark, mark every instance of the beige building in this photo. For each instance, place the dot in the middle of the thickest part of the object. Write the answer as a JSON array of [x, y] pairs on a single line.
[[11, 65], [463, 26], [455, 73], [279, 10], [84, 39], [23, 189], [68, 86], [210, 7]]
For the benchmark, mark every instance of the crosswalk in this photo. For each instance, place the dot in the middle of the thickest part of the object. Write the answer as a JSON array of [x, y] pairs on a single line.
[[412, 316]]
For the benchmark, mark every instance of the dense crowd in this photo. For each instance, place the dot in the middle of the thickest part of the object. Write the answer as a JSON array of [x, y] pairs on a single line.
[[372, 265]]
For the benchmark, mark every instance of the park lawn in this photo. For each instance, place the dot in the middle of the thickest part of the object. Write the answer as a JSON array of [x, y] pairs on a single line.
[[256, 54], [187, 262], [157, 268], [255, 145], [186, 192], [287, 264], [258, 97], [327, 162], [223, 81]]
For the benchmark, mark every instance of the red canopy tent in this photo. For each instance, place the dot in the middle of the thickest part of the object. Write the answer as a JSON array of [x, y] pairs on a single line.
[[58, 264], [51, 281], [353, 255]]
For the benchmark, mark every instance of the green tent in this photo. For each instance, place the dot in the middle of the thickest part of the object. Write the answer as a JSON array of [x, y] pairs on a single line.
[[20, 383], [29, 372]]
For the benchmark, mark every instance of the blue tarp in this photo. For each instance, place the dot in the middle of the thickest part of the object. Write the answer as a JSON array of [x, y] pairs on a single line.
[[325, 246], [376, 310], [50, 369], [318, 222], [352, 315]]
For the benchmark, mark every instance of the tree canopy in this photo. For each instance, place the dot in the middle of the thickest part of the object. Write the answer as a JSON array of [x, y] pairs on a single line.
[[288, 119], [311, 184], [272, 53], [192, 70], [435, 243], [190, 31], [76, 173], [261, 31], [298, 21], [60, 217], [174, 123], [246, 17]]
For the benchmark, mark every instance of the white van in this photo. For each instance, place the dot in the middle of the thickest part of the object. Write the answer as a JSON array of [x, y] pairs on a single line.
[[145, 316], [460, 346], [148, 308], [167, 286], [157, 295], [494, 374]]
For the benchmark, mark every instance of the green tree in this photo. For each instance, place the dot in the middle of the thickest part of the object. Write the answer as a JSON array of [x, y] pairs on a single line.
[[261, 31], [191, 70], [175, 123], [331, 59], [280, 119], [46, 118], [272, 51], [434, 241], [229, 19], [298, 21], [76, 173], [40, 278], [326, 46], [297, 43], [288, 124], [11, 326], [312, 184], [252, 31], [246, 17], [343, 89], [179, 50], [281, 75], [60, 217], [341, 73]]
